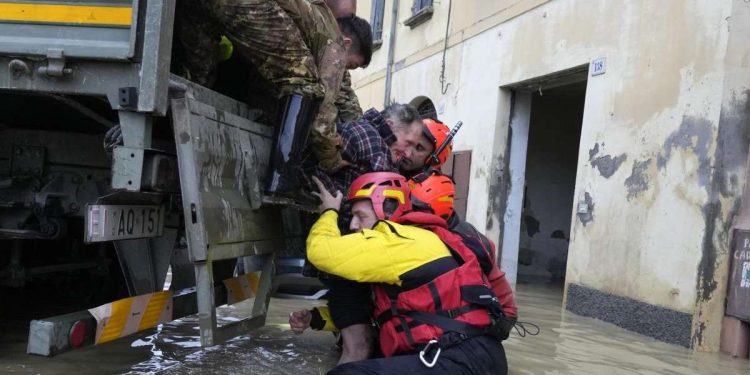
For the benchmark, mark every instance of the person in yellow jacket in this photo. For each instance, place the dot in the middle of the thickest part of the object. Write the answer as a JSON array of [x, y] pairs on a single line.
[[378, 252], [325, 251], [403, 256]]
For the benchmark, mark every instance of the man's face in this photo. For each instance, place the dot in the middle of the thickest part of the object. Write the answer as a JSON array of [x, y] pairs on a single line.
[[411, 147], [363, 215], [354, 60]]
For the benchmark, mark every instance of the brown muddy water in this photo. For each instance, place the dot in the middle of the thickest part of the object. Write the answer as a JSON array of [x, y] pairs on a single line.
[[568, 344]]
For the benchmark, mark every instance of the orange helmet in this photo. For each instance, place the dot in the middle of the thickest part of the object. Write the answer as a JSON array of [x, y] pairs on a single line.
[[437, 133], [379, 187], [432, 191]]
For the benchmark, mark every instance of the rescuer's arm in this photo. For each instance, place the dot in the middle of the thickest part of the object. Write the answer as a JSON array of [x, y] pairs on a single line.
[[318, 318], [366, 256], [501, 286], [321, 319], [503, 291], [361, 257]]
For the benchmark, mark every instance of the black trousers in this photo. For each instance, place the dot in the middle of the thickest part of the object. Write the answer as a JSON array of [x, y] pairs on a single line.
[[480, 355], [349, 302]]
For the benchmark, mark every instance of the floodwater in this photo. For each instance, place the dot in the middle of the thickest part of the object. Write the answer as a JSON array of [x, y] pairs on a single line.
[[174, 348], [567, 344], [572, 344]]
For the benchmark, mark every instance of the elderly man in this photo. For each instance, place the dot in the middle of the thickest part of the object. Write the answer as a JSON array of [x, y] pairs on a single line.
[[413, 140], [373, 143], [392, 140]]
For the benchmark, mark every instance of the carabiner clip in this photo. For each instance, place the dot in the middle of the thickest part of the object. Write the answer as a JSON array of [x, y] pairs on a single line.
[[434, 359]]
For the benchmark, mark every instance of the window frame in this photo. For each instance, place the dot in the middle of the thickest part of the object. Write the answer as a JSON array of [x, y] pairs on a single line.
[[458, 168], [377, 14], [421, 11]]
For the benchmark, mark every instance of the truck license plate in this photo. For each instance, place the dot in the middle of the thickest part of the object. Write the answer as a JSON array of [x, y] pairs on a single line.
[[120, 222]]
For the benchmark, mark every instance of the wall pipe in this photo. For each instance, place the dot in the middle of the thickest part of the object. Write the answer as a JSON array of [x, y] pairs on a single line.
[[391, 53]]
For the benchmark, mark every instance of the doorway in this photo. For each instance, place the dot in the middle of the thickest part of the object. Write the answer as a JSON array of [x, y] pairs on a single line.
[[545, 135]]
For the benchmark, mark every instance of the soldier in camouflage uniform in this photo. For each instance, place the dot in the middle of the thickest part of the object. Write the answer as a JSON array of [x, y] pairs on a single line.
[[347, 102], [298, 46]]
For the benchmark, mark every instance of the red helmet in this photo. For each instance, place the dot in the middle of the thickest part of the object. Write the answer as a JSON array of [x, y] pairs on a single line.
[[379, 187], [434, 192], [437, 133]]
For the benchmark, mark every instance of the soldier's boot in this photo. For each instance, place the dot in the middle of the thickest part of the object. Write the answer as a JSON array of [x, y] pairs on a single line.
[[296, 116]]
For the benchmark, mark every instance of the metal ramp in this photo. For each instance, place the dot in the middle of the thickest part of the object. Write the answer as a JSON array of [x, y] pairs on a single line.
[[222, 157], [120, 49]]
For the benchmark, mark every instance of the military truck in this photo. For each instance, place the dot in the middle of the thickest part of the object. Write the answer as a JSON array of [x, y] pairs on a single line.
[[183, 192]]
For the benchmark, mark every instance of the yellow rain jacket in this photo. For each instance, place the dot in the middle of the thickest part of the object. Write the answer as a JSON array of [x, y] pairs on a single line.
[[388, 253]]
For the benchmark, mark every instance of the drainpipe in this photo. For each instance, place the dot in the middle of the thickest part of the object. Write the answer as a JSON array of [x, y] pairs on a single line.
[[391, 52]]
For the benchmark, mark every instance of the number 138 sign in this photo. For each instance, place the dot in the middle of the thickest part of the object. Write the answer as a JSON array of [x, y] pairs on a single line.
[[598, 66]]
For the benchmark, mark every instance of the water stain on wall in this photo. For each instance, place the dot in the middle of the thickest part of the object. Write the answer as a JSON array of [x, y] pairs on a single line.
[[638, 181], [608, 165], [588, 216]]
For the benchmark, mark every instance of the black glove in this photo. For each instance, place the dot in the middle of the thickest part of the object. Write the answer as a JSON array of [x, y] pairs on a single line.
[[112, 138], [501, 327]]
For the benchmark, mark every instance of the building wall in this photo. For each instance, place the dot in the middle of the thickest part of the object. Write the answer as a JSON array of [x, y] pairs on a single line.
[[663, 138]]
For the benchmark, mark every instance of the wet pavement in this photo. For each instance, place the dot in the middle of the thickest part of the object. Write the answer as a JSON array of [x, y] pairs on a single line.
[[567, 344]]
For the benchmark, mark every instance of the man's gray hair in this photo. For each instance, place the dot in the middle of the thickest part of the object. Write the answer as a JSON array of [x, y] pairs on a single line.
[[402, 115]]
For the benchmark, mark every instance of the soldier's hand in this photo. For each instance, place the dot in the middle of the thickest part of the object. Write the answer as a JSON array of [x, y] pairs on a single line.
[[339, 166], [327, 200], [332, 163], [299, 321], [112, 138]]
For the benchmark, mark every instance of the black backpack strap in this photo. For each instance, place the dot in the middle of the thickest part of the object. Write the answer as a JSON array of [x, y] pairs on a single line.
[[465, 330], [452, 313], [394, 313]]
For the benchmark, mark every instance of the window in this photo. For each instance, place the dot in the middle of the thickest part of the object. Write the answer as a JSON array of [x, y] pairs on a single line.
[[378, 10], [421, 11], [419, 5], [458, 167]]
